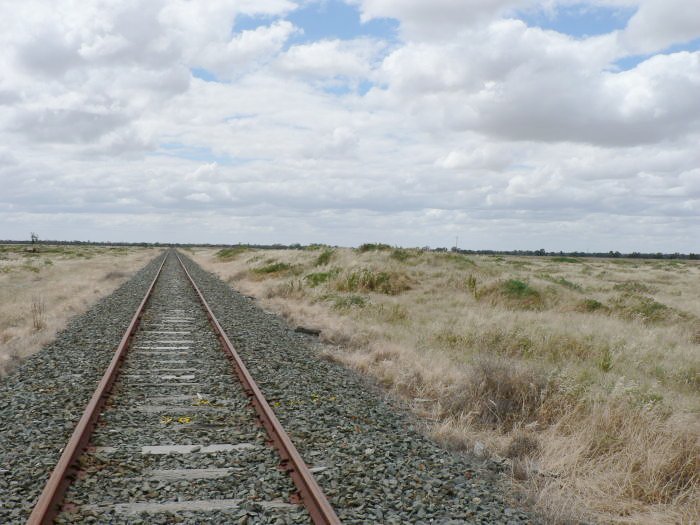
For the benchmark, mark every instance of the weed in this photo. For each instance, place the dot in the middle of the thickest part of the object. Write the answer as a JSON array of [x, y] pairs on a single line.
[[38, 311], [566, 260], [605, 362], [471, 285]]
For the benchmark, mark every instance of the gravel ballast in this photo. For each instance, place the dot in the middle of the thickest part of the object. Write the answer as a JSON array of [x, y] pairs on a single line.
[[177, 411], [367, 455]]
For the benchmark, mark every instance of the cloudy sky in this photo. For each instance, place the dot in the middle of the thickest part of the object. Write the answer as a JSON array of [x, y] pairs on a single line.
[[510, 124]]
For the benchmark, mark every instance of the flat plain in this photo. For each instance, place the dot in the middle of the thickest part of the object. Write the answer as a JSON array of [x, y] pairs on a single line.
[[581, 375], [41, 288]]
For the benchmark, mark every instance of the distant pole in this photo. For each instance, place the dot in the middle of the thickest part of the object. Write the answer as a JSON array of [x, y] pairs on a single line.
[[456, 242]]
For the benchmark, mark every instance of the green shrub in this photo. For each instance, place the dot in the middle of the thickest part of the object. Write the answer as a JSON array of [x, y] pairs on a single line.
[[373, 247], [316, 278], [343, 302], [324, 258], [590, 305], [518, 289], [561, 281], [390, 283], [226, 254], [633, 287], [461, 261], [512, 293], [276, 267], [401, 255], [631, 306], [566, 260]]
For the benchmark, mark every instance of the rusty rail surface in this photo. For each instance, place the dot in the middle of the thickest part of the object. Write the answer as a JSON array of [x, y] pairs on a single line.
[[49, 503], [310, 493]]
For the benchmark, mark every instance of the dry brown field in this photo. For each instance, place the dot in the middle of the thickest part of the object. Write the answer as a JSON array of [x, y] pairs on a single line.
[[41, 290], [582, 376]]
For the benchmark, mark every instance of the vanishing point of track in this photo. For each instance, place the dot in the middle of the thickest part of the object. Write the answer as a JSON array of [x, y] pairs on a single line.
[[169, 399]]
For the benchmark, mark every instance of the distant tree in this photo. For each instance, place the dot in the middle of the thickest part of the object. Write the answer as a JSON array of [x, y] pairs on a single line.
[[35, 239]]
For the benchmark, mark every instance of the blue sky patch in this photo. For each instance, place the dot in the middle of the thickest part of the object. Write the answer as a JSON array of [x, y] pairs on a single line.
[[203, 74], [328, 19], [196, 153], [579, 20], [344, 88], [632, 61]]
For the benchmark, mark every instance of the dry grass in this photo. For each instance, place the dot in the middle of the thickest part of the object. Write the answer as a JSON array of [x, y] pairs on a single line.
[[40, 291], [584, 373]]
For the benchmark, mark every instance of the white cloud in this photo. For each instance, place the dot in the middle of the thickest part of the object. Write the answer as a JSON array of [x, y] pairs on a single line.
[[330, 58], [475, 125], [658, 24], [437, 19], [246, 49]]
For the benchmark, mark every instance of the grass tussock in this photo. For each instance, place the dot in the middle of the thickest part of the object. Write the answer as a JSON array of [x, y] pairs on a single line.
[[366, 280], [592, 399], [497, 395], [513, 293], [635, 307]]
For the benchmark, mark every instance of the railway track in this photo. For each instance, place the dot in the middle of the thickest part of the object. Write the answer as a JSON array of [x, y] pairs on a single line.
[[178, 431]]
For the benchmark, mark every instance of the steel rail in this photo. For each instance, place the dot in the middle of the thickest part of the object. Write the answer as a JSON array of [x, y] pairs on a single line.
[[310, 493], [49, 503]]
